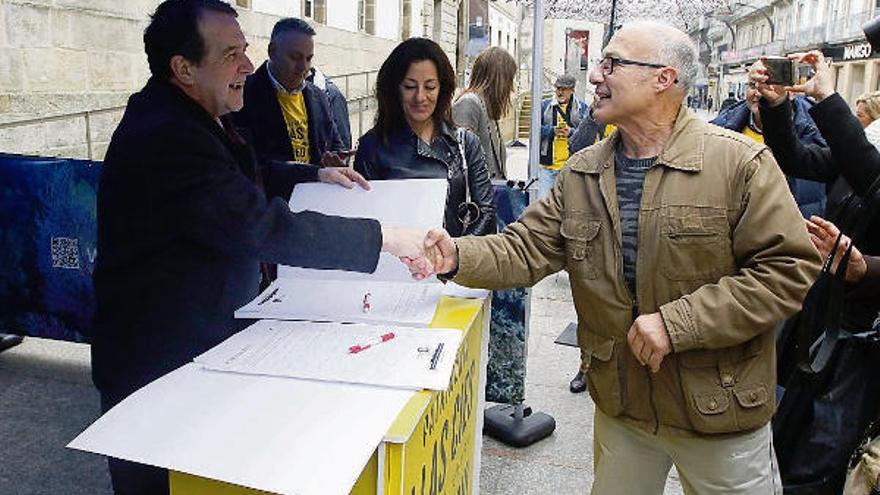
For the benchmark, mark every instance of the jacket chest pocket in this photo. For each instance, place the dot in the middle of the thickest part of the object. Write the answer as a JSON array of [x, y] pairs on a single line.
[[583, 251], [695, 244]]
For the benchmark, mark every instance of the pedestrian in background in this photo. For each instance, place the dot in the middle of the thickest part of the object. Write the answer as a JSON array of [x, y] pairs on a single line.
[[868, 113], [744, 117], [560, 116], [486, 101]]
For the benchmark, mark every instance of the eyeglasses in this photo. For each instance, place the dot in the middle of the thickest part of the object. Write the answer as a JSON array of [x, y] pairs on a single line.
[[607, 64]]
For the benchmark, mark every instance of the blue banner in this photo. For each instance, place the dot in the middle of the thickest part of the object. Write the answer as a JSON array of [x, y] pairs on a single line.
[[49, 237]]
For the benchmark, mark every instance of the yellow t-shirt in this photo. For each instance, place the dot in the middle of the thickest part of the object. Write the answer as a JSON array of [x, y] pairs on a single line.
[[608, 130], [747, 131], [293, 107], [560, 144]]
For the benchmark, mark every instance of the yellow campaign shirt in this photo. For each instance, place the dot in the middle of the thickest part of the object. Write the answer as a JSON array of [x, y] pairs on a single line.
[[608, 130], [560, 144], [293, 106], [747, 131]]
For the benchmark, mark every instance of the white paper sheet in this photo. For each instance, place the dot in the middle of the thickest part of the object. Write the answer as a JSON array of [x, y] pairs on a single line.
[[280, 435], [452, 289], [412, 203], [322, 351], [352, 301]]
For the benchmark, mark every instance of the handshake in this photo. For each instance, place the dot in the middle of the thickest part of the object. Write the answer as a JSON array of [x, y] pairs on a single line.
[[423, 253]]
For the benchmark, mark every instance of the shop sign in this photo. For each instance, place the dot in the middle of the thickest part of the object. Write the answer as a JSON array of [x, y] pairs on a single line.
[[857, 51]]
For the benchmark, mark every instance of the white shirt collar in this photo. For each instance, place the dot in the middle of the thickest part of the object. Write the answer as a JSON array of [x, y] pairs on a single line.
[[279, 86]]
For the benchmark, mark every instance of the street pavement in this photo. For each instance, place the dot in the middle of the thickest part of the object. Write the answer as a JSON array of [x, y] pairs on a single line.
[[46, 399]]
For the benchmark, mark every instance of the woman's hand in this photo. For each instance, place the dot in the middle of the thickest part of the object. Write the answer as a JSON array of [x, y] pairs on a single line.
[[823, 234], [821, 85]]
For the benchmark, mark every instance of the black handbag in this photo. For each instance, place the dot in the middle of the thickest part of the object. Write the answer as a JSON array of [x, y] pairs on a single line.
[[828, 379]]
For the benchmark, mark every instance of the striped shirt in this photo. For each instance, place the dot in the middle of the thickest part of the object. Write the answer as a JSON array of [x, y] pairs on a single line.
[[630, 176]]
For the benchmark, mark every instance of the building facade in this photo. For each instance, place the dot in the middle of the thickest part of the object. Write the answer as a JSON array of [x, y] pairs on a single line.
[[83, 58], [731, 41]]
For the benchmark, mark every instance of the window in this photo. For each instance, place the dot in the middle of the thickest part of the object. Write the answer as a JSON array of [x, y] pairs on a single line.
[[315, 10], [246, 4], [367, 16], [438, 21], [405, 19]]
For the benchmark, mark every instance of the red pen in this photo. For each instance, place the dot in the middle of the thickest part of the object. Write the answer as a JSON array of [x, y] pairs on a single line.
[[366, 345]]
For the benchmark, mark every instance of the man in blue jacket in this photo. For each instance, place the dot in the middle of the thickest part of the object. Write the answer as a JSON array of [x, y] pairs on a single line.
[[184, 226], [560, 117], [289, 118], [744, 117]]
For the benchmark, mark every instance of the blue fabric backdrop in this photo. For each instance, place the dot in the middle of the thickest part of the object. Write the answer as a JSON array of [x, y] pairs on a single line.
[[48, 234]]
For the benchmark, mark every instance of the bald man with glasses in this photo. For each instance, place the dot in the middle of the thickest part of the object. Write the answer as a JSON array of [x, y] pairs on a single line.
[[684, 250]]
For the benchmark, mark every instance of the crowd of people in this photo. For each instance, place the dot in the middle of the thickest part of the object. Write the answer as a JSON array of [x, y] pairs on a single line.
[[686, 242]]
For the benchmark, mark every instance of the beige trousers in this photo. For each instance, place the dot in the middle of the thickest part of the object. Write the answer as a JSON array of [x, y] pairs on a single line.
[[629, 461]]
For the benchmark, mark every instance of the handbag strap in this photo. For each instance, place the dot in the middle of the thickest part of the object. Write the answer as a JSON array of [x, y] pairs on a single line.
[[464, 165], [814, 359], [852, 218]]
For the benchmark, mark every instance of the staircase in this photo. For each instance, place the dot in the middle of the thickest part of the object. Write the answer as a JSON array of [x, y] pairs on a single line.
[[524, 121]]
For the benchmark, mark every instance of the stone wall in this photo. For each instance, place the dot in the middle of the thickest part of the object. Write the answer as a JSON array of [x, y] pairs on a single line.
[[62, 57]]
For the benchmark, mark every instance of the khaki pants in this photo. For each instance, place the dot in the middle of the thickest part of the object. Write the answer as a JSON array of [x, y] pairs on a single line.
[[629, 461]]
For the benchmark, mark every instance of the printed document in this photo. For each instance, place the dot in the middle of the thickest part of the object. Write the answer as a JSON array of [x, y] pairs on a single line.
[[346, 302], [383, 355]]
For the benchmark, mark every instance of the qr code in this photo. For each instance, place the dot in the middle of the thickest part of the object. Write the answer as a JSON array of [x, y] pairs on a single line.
[[65, 253]]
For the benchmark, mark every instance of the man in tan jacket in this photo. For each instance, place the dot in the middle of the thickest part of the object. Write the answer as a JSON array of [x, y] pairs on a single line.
[[685, 248]]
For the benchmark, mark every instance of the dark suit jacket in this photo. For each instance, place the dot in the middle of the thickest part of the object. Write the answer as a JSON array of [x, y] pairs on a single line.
[[182, 228], [262, 116]]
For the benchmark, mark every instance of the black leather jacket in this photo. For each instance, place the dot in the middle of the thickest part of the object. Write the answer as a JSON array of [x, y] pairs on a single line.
[[405, 156]]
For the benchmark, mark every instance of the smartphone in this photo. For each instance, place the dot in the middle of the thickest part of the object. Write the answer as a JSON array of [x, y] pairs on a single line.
[[780, 70]]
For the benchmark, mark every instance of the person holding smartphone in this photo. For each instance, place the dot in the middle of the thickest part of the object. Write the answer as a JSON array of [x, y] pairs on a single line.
[[848, 165]]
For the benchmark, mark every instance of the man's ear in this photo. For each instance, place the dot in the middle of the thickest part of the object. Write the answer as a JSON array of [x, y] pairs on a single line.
[[668, 77], [183, 70], [271, 49]]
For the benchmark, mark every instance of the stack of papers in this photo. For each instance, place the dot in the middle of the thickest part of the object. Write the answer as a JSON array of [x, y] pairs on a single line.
[[346, 301], [390, 356], [389, 294]]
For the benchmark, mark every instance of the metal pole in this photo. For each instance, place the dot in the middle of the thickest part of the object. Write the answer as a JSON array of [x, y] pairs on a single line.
[[537, 88], [89, 136], [611, 22]]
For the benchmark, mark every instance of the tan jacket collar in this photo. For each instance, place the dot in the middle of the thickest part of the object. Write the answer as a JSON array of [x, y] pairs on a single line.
[[683, 151]]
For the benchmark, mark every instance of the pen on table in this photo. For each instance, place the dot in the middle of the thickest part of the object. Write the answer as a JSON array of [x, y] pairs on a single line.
[[367, 307], [436, 357], [366, 345], [270, 296]]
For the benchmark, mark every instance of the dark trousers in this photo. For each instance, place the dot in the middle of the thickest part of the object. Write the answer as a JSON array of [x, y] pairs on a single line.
[[131, 478]]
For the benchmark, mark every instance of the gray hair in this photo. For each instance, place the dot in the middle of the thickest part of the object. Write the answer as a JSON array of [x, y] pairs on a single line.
[[674, 48]]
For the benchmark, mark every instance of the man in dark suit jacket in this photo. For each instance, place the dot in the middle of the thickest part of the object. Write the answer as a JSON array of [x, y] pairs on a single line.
[[183, 224], [289, 118]]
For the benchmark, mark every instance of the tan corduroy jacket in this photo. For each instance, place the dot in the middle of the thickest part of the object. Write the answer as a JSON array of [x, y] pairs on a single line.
[[723, 255]]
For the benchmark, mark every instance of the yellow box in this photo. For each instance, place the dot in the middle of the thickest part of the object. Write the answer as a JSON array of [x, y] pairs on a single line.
[[433, 446]]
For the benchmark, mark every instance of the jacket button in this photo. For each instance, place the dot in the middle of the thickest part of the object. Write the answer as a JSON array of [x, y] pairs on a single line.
[[753, 395], [726, 379], [713, 405]]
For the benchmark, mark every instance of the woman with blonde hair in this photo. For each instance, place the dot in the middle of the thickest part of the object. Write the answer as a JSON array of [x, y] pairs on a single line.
[[485, 101], [868, 113]]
